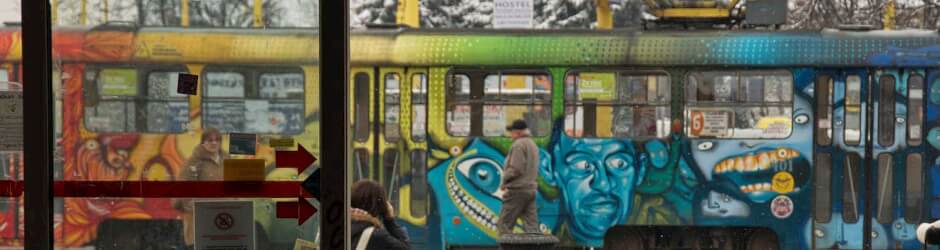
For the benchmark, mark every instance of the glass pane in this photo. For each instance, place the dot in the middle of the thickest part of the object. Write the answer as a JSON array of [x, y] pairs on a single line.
[[853, 110], [639, 108], [458, 120], [914, 188], [167, 110], [778, 87], [915, 110], [392, 91], [120, 120], [517, 87], [824, 110], [497, 117], [361, 115], [822, 187], [419, 183], [281, 85], [851, 182], [752, 89], [886, 116], [885, 184], [225, 84], [459, 87], [419, 99]]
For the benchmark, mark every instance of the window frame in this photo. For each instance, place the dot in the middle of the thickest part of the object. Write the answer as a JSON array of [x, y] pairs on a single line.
[[92, 97], [617, 73], [734, 103], [476, 117], [252, 91]]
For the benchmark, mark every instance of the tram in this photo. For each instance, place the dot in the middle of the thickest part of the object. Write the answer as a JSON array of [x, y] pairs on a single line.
[[724, 139]]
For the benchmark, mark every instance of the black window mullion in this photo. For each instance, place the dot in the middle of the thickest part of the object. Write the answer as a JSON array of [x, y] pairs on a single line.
[[477, 84]]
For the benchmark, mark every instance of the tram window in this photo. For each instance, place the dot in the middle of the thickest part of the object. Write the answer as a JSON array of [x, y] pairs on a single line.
[[419, 183], [391, 162], [885, 186], [851, 178], [114, 108], [823, 188], [915, 110], [853, 110], [361, 109], [392, 109], [824, 110], [617, 104], [361, 169], [458, 108], [509, 97], [886, 116], [914, 188], [762, 108], [167, 110], [247, 100], [419, 102]]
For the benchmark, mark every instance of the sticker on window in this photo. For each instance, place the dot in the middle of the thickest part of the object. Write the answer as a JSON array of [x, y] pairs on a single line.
[[121, 82], [597, 86], [710, 123]]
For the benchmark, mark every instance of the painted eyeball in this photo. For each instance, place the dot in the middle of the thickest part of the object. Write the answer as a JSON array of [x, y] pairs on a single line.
[[582, 165], [801, 119], [706, 145], [617, 163], [782, 153], [455, 151]]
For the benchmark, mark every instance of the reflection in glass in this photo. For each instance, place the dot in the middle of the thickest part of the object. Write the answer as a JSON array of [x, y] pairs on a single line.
[[853, 110]]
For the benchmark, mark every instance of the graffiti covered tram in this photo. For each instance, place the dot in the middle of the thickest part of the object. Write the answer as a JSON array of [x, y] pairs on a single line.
[[800, 139]]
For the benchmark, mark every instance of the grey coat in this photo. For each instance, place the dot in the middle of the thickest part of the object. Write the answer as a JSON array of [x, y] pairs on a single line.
[[521, 168]]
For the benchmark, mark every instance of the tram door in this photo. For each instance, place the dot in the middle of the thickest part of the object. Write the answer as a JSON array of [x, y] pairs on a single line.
[[869, 152]]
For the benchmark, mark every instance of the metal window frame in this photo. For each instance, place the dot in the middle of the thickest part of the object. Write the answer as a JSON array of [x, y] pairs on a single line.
[[37, 126]]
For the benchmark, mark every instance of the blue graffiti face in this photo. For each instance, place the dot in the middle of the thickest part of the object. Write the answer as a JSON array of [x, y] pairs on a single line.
[[658, 154], [901, 230], [761, 169], [597, 177], [837, 234]]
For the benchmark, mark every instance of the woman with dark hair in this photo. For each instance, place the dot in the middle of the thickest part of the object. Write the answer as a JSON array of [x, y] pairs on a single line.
[[373, 219]]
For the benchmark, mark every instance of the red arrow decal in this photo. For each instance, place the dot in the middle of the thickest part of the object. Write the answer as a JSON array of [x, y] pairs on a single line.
[[300, 209], [300, 159]]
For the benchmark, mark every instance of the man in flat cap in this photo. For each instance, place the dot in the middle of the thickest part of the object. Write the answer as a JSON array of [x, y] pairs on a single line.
[[519, 181]]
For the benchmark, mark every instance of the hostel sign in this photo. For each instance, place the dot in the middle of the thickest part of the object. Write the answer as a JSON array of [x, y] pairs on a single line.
[[510, 14]]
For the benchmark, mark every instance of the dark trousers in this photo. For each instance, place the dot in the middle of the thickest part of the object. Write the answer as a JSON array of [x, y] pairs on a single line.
[[518, 204]]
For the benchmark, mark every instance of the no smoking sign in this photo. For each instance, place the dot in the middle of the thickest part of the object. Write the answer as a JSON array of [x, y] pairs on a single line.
[[225, 225]]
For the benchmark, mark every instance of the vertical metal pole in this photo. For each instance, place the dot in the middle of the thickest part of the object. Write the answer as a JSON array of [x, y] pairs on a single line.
[[334, 74], [258, 14], [37, 123], [184, 13]]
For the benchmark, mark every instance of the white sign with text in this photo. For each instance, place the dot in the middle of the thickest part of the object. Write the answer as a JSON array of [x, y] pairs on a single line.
[[225, 225], [513, 14]]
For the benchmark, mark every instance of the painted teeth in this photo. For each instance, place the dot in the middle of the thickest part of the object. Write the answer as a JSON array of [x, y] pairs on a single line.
[[757, 187], [469, 207], [753, 162]]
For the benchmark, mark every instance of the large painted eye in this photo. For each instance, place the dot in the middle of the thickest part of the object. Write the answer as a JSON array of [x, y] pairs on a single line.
[[616, 163], [481, 172], [705, 146], [801, 119], [582, 165]]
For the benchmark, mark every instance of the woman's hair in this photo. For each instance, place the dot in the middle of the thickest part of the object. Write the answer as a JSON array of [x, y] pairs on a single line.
[[208, 133], [369, 196]]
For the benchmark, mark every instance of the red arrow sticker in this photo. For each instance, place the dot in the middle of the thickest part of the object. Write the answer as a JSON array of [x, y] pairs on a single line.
[[300, 209], [300, 159]]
